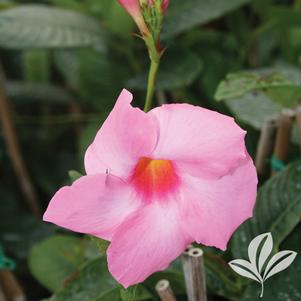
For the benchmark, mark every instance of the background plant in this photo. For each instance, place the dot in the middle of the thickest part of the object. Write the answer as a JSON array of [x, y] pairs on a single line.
[[65, 61]]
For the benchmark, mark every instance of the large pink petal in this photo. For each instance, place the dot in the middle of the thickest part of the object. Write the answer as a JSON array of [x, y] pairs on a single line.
[[212, 210], [146, 242], [202, 142], [126, 135], [95, 204]]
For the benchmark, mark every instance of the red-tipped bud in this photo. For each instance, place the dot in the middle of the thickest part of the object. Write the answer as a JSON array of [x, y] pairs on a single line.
[[133, 8], [165, 4]]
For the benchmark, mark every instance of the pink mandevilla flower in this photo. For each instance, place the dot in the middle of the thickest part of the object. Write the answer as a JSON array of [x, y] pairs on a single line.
[[156, 182]]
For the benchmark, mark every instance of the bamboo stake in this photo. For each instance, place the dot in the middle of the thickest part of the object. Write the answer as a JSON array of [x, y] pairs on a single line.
[[13, 147], [75, 112], [265, 146], [2, 296], [11, 287], [194, 272], [298, 118], [283, 136], [164, 291]]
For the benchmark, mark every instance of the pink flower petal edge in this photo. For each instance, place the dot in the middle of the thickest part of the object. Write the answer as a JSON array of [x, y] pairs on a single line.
[[94, 204], [146, 243], [156, 182], [127, 134]]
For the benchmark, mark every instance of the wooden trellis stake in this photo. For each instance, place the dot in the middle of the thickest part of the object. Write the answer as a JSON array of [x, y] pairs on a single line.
[[265, 146], [164, 291], [194, 273], [2, 296], [283, 136], [14, 151], [11, 287]]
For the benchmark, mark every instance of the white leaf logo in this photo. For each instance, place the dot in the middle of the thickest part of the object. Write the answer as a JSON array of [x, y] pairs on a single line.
[[258, 267]]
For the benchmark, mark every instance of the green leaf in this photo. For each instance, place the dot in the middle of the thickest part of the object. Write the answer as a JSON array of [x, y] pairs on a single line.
[[178, 69], [282, 83], [92, 74], [254, 109], [70, 4], [39, 26], [91, 282], [285, 285], [128, 294], [117, 19], [4, 4], [135, 293], [277, 210], [238, 84], [19, 229], [74, 175], [220, 279], [183, 15], [22, 92], [283, 16], [101, 244], [113, 295], [68, 64], [87, 136], [54, 259], [36, 66]]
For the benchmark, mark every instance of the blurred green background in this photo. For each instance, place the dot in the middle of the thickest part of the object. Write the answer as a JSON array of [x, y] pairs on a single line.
[[64, 62]]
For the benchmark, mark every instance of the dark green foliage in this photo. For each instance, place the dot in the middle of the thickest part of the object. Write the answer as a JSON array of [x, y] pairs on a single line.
[[65, 63]]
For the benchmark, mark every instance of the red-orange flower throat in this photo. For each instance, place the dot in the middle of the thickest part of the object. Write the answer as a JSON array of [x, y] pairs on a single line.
[[154, 178]]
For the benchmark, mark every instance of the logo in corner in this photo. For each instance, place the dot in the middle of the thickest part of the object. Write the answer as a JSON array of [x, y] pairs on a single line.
[[260, 267]]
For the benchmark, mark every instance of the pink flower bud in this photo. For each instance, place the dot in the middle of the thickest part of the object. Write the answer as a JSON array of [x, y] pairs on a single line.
[[165, 4], [133, 8]]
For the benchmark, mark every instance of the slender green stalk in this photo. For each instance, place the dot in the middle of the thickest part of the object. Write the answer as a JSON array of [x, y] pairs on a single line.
[[151, 84], [153, 17]]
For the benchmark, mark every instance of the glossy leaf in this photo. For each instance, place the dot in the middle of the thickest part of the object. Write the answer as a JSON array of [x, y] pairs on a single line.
[[238, 84], [36, 66], [184, 15], [128, 294], [277, 210], [135, 293], [220, 278], [53, 260], [113, 295], [281, 83], [91, 282], [23, 92], [74, 175], [101, 244], [254, 109], [37, 26]]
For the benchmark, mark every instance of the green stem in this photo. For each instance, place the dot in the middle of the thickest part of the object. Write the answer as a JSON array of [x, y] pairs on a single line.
[[151, 84]]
